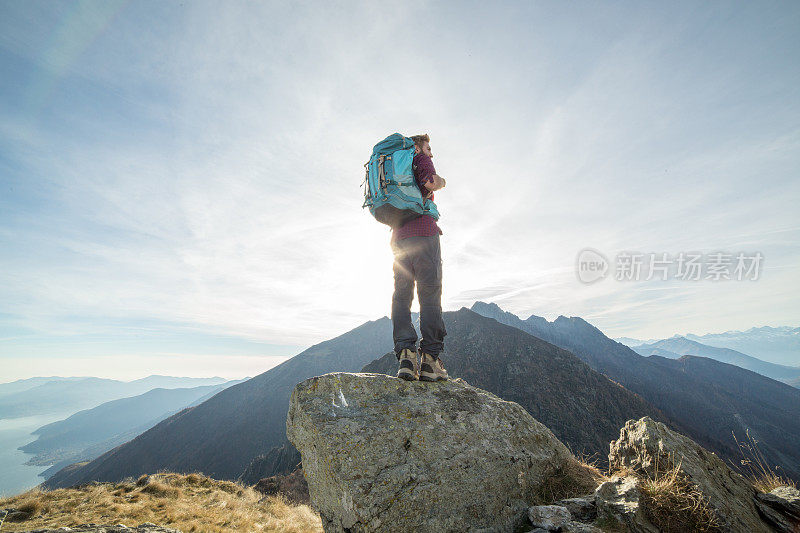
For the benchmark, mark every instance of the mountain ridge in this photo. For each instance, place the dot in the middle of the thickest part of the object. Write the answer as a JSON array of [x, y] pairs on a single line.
[[65, 396], [265, 399], [777, 345], [708, 412], [220, 438], [682, 346], [582, 407], [88, 433]]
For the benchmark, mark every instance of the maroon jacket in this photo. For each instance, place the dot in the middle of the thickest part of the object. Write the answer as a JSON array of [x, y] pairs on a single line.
[[425, 225]]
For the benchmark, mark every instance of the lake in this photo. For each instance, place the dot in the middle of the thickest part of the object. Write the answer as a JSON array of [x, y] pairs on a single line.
[[15, 477]]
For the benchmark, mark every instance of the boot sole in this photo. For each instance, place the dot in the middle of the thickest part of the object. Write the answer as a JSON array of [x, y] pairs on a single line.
[[426, 378], [406, 376]]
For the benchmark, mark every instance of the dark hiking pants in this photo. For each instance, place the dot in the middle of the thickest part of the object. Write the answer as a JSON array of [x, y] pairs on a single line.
[[418, 259]]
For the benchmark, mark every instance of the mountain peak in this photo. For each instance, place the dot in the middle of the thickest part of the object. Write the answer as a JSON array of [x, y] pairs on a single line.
[[574, 321], [491, 305]]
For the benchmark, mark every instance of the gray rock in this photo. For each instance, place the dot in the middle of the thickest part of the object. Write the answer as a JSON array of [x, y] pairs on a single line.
[[383, 454], [781, 508], [618, 501], [645, 445], [583, 509], [549, 517], [580, 527]]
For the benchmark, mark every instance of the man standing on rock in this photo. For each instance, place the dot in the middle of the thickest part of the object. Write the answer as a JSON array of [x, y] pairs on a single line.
[[418, 257]]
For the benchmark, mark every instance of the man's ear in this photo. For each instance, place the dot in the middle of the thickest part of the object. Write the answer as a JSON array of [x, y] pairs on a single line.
[[416, 149]]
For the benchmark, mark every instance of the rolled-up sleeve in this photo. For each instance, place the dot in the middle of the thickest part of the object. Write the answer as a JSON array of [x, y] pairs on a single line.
[[423, 169]]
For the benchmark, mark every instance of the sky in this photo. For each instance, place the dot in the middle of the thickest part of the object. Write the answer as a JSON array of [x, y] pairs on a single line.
[[180, 182]]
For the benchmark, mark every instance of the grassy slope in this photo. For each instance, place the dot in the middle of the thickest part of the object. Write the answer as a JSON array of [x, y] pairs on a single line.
[[189, 503]]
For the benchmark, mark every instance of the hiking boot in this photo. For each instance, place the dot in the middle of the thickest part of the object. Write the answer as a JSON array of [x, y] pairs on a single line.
[[408, 370], [432, 369]]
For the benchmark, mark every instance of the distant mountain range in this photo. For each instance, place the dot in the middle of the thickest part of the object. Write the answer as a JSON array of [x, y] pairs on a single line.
[[29, 383], [631, 342], [735, 401], [779, 345], [221, 436], [36, 396], [705, 399], [675, 347], [92, 432]]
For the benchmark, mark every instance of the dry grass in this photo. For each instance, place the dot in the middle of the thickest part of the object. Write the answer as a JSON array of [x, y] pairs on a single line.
[[756, 468], [190, 503], [673, 504], [578, 477]]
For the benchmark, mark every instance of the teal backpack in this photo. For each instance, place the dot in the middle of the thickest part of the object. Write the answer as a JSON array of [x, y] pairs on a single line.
[[391, 192]]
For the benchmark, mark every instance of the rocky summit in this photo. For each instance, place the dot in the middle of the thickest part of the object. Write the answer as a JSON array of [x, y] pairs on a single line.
[[383, 454]]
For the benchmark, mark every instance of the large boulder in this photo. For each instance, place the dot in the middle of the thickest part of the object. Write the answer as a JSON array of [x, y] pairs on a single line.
[[650, 447], [383, 454]]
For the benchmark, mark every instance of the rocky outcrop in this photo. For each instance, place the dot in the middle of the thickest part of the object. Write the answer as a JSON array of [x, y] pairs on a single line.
[[650, 447], [781, 508], [382, 454], [618, 503]]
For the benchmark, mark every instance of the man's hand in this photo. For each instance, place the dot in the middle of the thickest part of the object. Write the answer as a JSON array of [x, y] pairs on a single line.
[[438, 183]]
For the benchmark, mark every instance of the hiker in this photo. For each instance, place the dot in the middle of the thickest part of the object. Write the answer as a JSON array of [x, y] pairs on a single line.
[[418, 258]]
